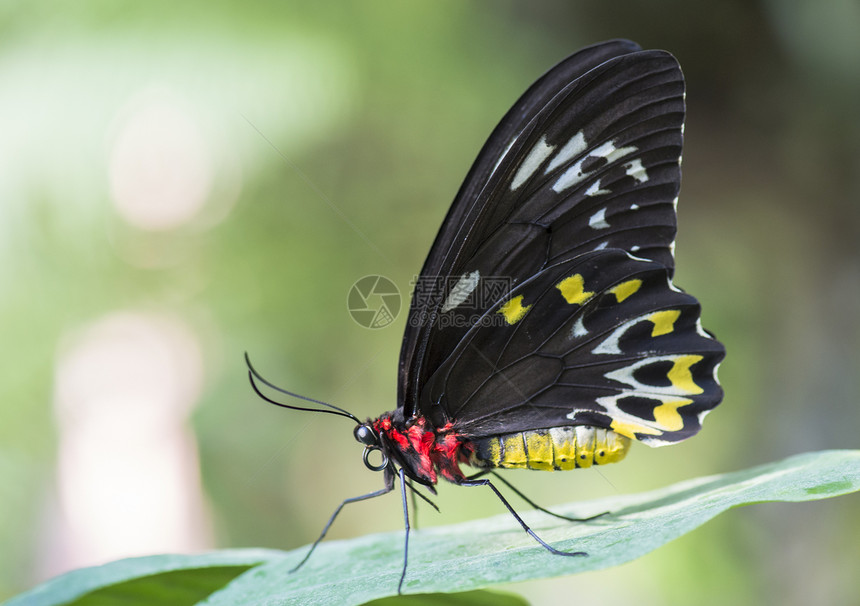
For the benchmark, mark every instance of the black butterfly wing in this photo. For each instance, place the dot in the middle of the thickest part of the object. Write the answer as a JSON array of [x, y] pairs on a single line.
[[500, 142], [588, 159], [601, 339], [505, 142]]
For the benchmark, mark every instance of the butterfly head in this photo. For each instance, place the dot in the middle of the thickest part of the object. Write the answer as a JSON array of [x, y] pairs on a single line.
[[365, 434]]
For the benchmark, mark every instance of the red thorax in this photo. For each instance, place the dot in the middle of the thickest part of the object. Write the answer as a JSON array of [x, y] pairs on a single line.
[[424, 451]]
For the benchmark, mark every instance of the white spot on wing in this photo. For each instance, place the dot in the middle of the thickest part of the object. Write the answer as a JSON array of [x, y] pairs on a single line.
[[570, 177], [634, 207], [612, 409], [536, 157], [578, 329], [609, 345], [636, 170], [571, 149], [634, 257], [575, 174], [625, 375], [598, 220], [595, 190], [461, 291], [701, 330], [601, 246], [704, 413], [612, 153]]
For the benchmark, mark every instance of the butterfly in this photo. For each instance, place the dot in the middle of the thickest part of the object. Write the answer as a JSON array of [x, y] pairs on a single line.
[[544, 330]]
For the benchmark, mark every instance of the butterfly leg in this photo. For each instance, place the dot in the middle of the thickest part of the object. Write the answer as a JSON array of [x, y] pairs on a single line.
[[389, 486], [535, 505], [531, 533], [406, 524], [414, 500], [426, 499]]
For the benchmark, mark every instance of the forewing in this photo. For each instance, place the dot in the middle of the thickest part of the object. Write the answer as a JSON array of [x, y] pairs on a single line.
[[500, 143], [589, 161], [602, 339]]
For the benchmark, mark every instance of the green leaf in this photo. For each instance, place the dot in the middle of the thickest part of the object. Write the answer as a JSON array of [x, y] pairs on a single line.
[[485, 552], [464, 598], [165, 577], [174, 588]]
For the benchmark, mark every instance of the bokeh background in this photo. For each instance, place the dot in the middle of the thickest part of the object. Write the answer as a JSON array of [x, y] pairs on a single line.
[[182, 182]]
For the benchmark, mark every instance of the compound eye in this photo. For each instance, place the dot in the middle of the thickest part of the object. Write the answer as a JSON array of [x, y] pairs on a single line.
[[365, 435]]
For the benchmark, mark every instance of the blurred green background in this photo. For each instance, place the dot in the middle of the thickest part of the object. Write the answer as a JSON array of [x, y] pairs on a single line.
[[180, 183]]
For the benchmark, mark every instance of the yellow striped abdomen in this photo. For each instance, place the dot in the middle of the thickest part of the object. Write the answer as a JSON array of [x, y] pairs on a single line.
[[553, 449]]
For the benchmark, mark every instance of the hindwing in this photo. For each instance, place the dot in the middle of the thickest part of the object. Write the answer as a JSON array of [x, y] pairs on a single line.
[[602, 339]]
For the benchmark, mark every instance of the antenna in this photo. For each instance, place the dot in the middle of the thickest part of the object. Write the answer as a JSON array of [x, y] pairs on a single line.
[[253, 374]]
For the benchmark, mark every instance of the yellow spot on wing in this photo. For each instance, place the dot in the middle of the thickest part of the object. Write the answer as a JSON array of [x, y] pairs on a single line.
[[573, 290], [664, 321], [681, 376], [667, 415], [513, 310], [625, 289], [631, 429]]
